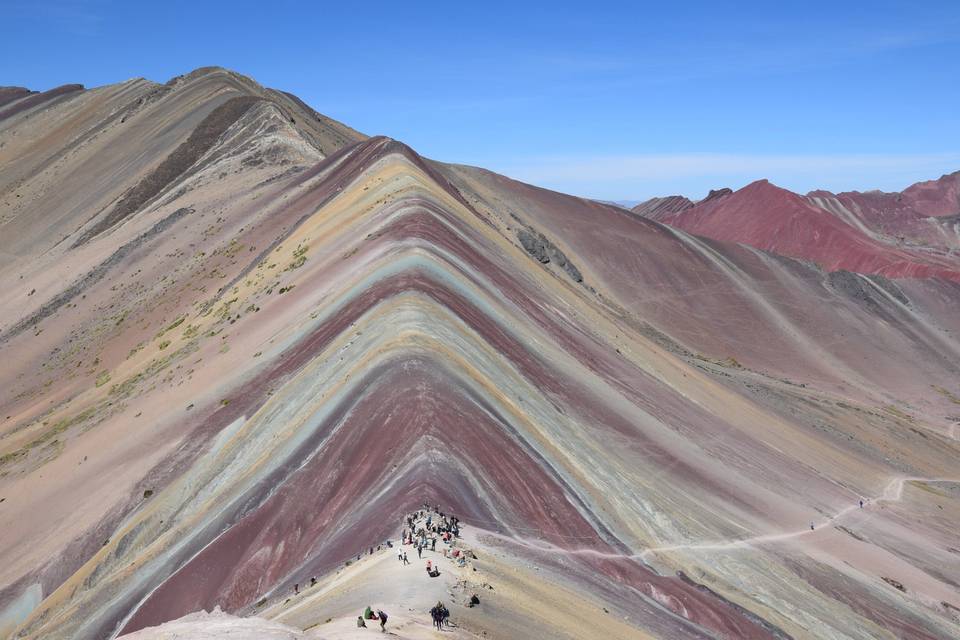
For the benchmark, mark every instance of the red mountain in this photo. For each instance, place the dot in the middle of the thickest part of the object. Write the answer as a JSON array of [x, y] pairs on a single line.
[[823, 227], [927, 213]]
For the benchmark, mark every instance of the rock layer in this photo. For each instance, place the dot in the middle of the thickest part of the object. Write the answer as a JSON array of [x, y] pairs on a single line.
[[301, 334]]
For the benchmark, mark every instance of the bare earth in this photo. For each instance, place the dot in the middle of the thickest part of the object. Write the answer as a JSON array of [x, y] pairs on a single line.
[[240, 341]]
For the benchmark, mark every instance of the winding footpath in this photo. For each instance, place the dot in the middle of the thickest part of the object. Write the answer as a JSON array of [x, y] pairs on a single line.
[[893, 492]]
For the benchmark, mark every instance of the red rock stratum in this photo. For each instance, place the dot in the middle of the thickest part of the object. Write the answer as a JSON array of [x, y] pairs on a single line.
[[243, 341]]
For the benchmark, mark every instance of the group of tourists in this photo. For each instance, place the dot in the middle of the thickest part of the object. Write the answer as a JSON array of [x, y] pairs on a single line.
[[368, 614], [440, 615], [422, 529]]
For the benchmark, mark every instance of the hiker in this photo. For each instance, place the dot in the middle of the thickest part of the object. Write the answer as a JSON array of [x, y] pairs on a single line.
[[399, 554], [444, 615], [296, 588], [383, 620], [360, 622], [811, 526], [433, 544], [313, 582], [405, 561], [368, 614], [861, 503], [419, 551], [437, 614]]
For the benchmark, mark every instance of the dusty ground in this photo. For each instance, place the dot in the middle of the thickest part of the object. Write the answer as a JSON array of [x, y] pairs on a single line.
[[305, 333]]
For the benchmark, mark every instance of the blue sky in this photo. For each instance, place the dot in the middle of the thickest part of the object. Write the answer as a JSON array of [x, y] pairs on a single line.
[[601, 99]]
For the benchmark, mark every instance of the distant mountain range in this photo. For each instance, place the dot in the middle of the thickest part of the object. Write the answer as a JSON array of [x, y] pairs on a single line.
[[915, 233]]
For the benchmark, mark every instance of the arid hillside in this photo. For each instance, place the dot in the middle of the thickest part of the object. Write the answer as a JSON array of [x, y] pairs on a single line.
[[243, 342]]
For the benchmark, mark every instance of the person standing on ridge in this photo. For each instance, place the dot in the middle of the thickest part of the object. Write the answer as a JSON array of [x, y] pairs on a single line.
[[383, 620], [437, 614]]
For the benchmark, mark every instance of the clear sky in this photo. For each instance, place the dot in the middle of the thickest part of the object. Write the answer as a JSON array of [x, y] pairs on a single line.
[[602, 99]]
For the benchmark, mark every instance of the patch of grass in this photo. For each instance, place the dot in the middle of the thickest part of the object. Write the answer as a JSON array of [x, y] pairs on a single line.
[[164, 344], [103, 378], [13, 455], [946, 394], [134, 351], [125, 388], [223, 311], [299, 258], [173, 325], [898, 413], [50, 435]]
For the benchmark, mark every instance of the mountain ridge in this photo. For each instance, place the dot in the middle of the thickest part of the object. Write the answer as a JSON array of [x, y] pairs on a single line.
[[305, 334], [861, 232]]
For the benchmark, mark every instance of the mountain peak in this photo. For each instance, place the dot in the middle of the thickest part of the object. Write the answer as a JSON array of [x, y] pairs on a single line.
[[251, 355], [656, 208]]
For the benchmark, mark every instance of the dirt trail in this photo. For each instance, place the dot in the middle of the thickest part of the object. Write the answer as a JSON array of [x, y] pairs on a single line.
[[893, 492]]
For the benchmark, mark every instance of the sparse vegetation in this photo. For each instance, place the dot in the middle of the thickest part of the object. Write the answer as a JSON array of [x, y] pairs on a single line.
[[898, 413], [946, 394], [173, 325], [299, 258]]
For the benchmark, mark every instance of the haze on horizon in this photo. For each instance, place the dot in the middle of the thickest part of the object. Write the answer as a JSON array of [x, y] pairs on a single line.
[[611, 100]]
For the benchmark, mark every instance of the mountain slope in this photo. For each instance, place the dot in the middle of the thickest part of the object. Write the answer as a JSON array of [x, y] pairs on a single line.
[[767, 217], [301, 335], [656, 208], [924, 215]]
